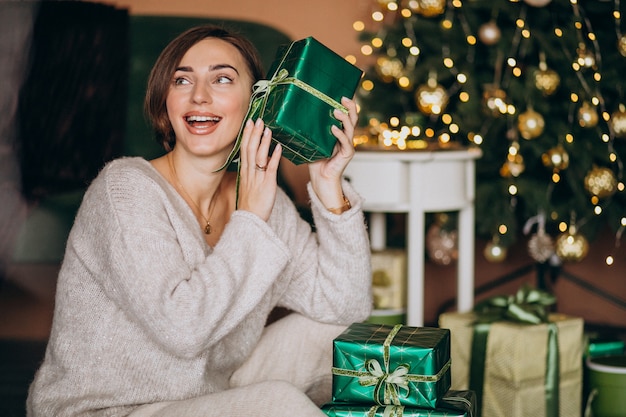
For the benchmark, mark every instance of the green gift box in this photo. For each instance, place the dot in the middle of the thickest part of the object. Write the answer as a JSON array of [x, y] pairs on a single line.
[[453, 404], [597, 346], [520, 359], [391, 365], [305, 85]]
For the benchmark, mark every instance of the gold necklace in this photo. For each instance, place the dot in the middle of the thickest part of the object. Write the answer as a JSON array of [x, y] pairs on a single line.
[[207, 227]]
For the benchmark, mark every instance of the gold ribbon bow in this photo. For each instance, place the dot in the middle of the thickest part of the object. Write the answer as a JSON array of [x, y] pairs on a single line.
[[392, 382]]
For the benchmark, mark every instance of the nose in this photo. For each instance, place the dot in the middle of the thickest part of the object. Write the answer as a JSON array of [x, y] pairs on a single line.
[[201, 93]]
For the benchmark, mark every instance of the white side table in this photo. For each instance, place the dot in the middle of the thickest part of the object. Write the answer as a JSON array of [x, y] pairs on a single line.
[[416, 183]]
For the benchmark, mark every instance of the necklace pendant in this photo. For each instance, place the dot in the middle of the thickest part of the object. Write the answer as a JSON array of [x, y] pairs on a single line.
[[207, 228]]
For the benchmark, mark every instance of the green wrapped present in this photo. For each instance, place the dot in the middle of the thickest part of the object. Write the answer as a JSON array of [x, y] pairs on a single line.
[[391, 365], [306, 83], [598, 346], [453, 404]]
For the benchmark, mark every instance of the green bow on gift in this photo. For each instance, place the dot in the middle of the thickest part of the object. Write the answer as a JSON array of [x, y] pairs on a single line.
[[528, 306]]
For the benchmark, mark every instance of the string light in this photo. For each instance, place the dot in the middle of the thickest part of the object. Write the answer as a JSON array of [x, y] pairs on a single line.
[[586, 64]]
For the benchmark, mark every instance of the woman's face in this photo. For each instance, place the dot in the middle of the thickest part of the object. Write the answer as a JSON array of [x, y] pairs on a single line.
[[208, 97]]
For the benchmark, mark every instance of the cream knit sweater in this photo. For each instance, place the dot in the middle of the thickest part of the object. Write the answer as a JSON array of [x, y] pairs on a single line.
[[146, 311]]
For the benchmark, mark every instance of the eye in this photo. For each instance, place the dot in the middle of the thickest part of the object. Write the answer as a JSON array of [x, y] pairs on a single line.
[[223, 79], [181, 81]]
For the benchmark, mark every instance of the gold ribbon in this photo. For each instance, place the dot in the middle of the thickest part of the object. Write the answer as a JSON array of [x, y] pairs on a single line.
[[391, 383], [282, 77]]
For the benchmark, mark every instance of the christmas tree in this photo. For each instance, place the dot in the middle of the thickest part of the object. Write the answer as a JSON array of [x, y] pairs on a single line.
[[538, 85]]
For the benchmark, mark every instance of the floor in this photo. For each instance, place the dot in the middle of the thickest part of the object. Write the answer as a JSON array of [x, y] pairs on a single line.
[[25, 319], [27, 304]]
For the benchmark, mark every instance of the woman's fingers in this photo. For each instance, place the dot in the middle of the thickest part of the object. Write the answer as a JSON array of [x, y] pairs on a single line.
[[258, 170], [352, 111], [349, 120], [262, 153], [250, 143]]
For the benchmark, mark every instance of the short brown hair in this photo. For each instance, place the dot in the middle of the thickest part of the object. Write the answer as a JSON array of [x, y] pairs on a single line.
[[166, 64]]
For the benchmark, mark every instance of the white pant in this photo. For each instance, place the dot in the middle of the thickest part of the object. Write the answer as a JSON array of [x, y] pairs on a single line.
[[288, 373]]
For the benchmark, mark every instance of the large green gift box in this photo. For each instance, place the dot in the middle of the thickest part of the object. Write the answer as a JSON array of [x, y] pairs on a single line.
[[305, 84], [453, 404], [391, 365], [515, 365]]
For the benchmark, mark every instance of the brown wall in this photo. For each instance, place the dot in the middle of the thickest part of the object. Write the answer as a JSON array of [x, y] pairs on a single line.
[[329, 21]]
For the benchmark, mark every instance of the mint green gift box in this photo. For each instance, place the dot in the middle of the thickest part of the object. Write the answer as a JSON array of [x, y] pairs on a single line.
[[391, 365], [305, 84], [453, 404]]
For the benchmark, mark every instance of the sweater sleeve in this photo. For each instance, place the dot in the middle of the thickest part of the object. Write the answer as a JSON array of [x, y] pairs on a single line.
[[331, 271], [152, 261]]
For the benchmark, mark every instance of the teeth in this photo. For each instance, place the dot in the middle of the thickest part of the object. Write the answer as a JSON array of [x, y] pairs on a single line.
[[202, 119]]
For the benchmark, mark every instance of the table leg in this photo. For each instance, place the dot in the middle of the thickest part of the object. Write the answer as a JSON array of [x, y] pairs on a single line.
[[415, 269], [465, 272], [378, 231]]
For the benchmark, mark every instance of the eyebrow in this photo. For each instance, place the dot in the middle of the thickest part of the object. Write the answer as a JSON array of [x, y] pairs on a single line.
[[215, 67]]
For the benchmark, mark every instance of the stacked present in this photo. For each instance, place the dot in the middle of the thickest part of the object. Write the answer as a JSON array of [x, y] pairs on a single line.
[[384, 371], [518, 358]]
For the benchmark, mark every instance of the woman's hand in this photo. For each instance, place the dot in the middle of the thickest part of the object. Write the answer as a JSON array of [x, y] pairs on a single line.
[[326, 174], [258, 171]]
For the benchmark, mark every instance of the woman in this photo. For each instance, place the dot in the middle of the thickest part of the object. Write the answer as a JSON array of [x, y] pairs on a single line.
[[166, 286]]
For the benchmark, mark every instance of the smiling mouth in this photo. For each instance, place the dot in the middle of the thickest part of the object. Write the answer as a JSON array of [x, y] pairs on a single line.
[[202, 121]]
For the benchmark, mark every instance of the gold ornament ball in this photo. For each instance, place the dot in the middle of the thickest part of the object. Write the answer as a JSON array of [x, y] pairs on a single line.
[[556, 158], [601, 182], [431, 98], [442, 245], [489, 33], [571, 247], [618, 122], [430, 8], [389, 68], [494, 100], [530, 124], [537, 3], [494, 252], [547, 81], [540, 247], [587, 115], [621, 45], [513, 167]]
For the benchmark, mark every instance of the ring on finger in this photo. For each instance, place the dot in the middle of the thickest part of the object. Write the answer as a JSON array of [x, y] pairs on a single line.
[[261, 168]]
